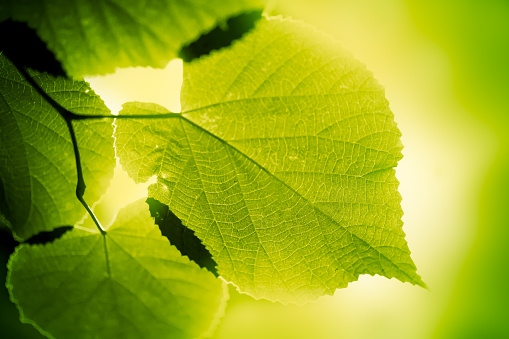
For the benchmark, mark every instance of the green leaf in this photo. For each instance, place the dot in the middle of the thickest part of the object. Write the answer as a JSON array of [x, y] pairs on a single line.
[[130, 283], [95, 37], [37, 166], [282, 162]]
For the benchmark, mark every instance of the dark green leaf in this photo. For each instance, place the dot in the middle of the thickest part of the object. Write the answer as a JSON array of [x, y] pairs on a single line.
[[221, 36], [21, 43], [95, 37], [37, 165], [180, 236]]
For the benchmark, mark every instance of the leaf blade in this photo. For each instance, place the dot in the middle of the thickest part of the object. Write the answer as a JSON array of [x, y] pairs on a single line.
[[38, 171], [95, 37], [130, 283], [283, 168]]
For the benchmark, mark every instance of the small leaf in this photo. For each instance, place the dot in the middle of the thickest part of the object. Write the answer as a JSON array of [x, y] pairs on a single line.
[[130, 283], [37, 166], [95, 37], [282, 162], [180, 236]]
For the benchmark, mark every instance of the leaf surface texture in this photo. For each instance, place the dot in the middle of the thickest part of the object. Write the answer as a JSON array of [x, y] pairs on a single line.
[[95, 37], [282, 162], [130, 283], [37, 166]]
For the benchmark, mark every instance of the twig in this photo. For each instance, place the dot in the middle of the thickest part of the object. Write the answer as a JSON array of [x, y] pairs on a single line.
[[68, 117]]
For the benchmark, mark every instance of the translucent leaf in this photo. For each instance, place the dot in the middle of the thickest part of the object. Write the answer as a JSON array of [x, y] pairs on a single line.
[[282, 162], [130, 283], [95, 37], [37, 166]]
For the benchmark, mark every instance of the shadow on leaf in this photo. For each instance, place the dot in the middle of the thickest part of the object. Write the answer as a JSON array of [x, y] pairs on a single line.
[[47, 237], [21, 44], [221, 36], [180, 236]]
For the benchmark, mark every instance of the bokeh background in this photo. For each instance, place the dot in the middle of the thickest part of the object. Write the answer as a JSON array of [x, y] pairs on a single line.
[[445, 66]]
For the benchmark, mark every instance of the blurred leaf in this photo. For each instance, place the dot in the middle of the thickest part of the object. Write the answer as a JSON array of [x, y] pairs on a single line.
[[283, 168], [37, 166], [95, 37], [478, 307], [130, 283], [475, 35]]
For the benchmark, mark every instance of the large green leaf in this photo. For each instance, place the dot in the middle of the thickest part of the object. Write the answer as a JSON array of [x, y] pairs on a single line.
[[281, 162], [37, 167], [130, 283], [95, 37]]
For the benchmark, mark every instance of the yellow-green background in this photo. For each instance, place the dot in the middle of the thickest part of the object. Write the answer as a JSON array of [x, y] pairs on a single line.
[[445, 66]]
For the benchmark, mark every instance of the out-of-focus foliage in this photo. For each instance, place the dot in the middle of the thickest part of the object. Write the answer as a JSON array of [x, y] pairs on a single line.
[[95, 37], [475, 36]]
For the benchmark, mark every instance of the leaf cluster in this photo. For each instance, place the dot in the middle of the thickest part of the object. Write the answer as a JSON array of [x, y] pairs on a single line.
[[277, 176]]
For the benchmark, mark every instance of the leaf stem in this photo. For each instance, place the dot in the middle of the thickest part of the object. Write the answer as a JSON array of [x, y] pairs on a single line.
[[133, 116], [68, 116], [81, 186]]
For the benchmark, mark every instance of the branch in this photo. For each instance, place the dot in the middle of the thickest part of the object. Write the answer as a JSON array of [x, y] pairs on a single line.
[[68, 116], [132, 116], [81, 186]]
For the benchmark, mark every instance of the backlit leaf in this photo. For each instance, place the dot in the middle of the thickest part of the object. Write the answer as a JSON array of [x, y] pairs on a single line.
[[130, 283], [37, 166], [95, 37], [282, 163]]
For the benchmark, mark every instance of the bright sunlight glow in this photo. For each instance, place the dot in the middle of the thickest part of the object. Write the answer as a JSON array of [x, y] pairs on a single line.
[[161, 86]]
